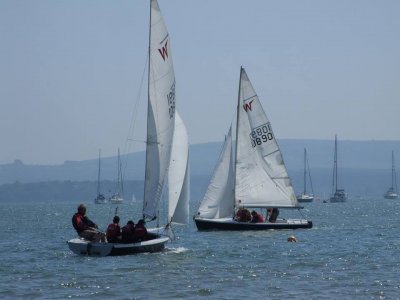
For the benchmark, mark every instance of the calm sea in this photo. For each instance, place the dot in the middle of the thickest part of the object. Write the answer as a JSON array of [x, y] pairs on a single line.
[[353, 252]]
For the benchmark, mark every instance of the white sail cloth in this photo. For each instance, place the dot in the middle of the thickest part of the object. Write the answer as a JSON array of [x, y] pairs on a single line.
[[261, 176], [178, 175], [218, 200], [161, 111]]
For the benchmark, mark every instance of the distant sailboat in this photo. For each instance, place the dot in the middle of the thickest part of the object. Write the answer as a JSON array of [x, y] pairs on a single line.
[[392, 191], [167, 152], [339, 195], [257, 178], [100, 199], [118, 197], [306, 197]]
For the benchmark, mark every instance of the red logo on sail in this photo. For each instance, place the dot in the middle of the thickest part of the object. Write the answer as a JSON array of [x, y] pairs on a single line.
[[247, 106], [164, 51]]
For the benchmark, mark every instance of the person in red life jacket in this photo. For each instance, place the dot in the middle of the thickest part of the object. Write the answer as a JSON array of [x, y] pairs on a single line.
[[86, 228], [114, 231], [243, 215], [128, 232], [140, 231], [256, 217]]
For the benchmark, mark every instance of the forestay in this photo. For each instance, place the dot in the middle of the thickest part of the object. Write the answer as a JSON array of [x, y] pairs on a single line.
[[261, 176]]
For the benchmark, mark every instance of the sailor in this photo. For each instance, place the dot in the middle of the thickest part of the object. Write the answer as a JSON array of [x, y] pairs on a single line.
[[128, 232], [274, 215], [140, 230], [114, 231], [256, 217], [86, 228]]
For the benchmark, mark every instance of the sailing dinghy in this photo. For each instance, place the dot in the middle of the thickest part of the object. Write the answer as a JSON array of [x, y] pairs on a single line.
[[255, 179], [167, 152]]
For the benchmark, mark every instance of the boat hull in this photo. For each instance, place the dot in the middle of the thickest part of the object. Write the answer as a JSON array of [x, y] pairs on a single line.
[[82, 247], [391, 196], [229, 224], [305, 198]]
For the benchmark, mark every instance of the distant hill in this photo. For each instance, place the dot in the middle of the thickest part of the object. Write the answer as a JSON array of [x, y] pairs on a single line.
[[364, 168], [363, 155]]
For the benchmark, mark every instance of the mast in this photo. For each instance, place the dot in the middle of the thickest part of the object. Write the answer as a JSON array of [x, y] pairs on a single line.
[[236, 141], [393, 171], [305, 172], [394, 183], [148, 107], [98, 175], [334, 177], [309, 175], [120, 181]]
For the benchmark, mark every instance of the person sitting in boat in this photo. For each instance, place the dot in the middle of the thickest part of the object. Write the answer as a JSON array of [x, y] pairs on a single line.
[[128, 232], [140, 231], [274, 213], [256, 217], [114, 231], [86, 228], [243, 215]]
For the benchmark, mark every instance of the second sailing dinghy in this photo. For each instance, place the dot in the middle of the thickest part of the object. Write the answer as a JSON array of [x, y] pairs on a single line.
[[255, 179], [166, 152]]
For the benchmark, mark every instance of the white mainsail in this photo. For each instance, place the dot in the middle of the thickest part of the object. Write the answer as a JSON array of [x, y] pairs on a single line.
[[161, 111], [261, 176], [178, 175], [218, 200]]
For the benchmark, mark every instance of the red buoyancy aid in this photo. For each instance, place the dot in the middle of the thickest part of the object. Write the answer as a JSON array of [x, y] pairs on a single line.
[[140, 232], [78, 222], [260, 218], [113, 231]]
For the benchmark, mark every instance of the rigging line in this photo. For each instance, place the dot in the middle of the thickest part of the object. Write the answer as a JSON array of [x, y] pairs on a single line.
[[134, 114], [309, 175]]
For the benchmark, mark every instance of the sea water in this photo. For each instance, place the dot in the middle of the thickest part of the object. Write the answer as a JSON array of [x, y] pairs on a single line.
[[352, 252]]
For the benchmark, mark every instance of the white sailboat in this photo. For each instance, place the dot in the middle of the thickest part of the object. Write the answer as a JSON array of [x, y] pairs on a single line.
[[392, 191], [304, 197], [117, 197], [167, 151], [339, 195], [100, 199], [257, 178]]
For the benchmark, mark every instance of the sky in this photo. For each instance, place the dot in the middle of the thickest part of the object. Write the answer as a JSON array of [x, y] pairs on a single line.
[[71, 71]]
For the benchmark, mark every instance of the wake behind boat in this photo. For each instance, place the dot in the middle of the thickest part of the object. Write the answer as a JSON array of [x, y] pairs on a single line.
[[256, 179], [167, 152]]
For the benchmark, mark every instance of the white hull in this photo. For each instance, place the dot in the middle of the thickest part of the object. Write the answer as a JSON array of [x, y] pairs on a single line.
[[305, 198], [82, 247], [100, 200], [230, 224], [391, 195], [116, 200]]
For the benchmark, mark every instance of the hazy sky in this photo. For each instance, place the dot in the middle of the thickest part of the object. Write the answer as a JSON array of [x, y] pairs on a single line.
[[71, 71]]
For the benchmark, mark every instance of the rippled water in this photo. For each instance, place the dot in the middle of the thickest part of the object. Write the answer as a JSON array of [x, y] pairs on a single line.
[[351, 253]]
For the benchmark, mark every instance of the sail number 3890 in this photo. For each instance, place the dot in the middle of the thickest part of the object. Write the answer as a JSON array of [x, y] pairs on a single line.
[[261, 134]]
